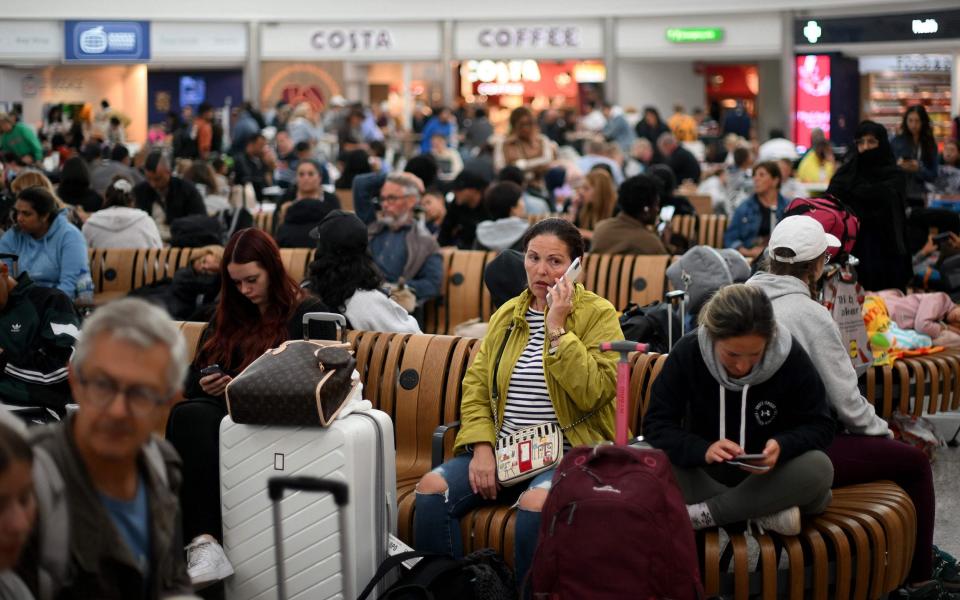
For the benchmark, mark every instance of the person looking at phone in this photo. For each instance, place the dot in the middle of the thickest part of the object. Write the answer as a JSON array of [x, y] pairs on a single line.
[[863, 450], [543, 355], [634, 230], [916, 152], [260, 307], [739, 385]]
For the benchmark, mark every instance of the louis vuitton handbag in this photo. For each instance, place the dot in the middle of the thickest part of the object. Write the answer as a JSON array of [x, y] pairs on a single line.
[[301, 383]]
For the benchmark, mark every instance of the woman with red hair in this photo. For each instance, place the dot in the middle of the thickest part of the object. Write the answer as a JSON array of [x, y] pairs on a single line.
[[260, 307]]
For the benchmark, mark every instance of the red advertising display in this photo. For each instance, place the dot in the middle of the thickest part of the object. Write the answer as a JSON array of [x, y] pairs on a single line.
[[813, 96]]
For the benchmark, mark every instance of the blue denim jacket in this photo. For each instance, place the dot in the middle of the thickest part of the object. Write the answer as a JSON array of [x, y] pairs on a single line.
[[744, 226]]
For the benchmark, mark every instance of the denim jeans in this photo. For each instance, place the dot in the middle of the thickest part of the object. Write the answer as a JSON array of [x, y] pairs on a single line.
[[436, 521]]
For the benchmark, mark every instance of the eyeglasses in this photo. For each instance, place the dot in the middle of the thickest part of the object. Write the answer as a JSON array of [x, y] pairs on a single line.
[[103, 390], [393, 198]]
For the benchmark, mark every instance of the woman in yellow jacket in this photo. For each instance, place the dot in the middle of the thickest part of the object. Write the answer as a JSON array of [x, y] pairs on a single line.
[[540, 363]]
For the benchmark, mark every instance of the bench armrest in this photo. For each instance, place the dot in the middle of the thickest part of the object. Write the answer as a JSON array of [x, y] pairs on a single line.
[[439, 434]]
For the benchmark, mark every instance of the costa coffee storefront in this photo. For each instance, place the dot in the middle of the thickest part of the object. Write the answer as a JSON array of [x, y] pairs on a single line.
[[396, 63], [544, 64]]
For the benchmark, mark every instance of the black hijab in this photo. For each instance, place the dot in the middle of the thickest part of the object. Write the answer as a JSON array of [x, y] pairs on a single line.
[[871, 165], [882, 155]]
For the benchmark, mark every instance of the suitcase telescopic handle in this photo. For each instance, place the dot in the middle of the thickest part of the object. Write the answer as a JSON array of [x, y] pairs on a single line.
[[337, 319], [277, 485], [624, 347]]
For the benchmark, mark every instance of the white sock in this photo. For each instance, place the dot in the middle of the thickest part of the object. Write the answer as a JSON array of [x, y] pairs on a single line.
[[700, 516]]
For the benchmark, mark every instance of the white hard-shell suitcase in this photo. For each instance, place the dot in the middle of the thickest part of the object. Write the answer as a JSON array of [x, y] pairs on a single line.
[[357, 450]]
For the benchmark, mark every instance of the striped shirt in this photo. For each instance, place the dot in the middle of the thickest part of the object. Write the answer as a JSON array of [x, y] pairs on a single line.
[[528, 401]]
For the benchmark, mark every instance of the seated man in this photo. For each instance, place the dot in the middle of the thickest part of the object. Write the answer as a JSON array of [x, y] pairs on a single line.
[[459, 227], [108, 482], [164, 197], [508, 221], [400, 245], [633, 231], [38, 328]]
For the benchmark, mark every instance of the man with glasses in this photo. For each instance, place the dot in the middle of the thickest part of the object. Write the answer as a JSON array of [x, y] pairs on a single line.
[[106, 485], [401, 246]]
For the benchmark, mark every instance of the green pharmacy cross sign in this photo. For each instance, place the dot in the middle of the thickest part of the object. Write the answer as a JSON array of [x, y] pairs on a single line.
[[695, 35]]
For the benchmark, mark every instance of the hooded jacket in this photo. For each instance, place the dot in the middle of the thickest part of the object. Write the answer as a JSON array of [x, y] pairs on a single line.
[[121, 227], [501, 234], [579, 377], [695, 402], [58, 259], [301, 218], [814, 329]]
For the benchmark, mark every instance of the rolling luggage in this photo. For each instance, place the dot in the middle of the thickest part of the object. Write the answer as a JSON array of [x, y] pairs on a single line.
[[357, 450]]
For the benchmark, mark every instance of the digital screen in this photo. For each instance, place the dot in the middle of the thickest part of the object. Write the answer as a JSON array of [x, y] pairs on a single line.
[[813, 96], [193, 90]]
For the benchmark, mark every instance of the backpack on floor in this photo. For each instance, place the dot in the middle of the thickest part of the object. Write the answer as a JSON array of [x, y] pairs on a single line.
[[836, 219], [615, 526], [481, 575]]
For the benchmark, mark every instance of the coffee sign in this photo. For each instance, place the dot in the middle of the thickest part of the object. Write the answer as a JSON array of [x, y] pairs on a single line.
[[352, 40], [528, 40], [530, 37]]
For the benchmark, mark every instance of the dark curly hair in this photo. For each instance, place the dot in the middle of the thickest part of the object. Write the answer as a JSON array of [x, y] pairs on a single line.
[[334, 278]]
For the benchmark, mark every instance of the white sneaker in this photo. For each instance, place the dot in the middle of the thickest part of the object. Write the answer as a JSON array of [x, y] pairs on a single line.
[[206, 562], [785, 522]]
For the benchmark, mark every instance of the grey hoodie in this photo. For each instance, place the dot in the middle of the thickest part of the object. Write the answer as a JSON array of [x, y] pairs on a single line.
[[812, 326], [121, 227], [774, 356], [502, 233]]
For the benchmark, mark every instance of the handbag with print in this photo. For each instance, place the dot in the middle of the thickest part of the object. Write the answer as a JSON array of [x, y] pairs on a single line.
[[301, 383]]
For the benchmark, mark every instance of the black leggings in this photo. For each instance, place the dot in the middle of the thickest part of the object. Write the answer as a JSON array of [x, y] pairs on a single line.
[[194, 430]]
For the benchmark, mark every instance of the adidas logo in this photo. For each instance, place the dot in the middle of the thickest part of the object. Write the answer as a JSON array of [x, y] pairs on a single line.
[[15, 328]]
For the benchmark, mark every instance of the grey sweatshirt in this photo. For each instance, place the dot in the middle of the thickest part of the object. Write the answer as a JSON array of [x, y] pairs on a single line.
[[812, 326]]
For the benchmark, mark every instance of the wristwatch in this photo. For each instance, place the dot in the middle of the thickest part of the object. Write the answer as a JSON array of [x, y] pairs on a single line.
[[555, 334]]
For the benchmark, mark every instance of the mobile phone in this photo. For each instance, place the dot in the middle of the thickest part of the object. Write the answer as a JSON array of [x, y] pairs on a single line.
[[749, 457], [572, 274], [213, 369], [941, 237], [749, 466], [667, 212]]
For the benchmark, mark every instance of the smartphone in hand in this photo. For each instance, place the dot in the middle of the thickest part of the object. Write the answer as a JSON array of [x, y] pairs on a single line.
[[572, 274], [213, 369]]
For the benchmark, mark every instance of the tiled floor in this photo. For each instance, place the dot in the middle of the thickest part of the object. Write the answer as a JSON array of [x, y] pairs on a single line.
[[946, 481]]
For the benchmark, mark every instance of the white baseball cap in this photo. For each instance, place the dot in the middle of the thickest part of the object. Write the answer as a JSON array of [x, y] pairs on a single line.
[[802, 234]]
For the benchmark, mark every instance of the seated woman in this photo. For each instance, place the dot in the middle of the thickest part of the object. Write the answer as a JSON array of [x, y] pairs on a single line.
[[118, 224], [260, 307], [75, 187], [756, 216], [743, 386], [548, 365], [310, 205], [863, 451], [345, 278], [18, 506], [49, 248]]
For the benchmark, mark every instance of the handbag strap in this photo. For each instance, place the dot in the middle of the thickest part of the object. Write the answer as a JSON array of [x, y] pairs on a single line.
[[495, 392]]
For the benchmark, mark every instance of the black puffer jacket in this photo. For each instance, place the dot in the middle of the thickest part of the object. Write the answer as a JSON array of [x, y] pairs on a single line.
[[301, 218]]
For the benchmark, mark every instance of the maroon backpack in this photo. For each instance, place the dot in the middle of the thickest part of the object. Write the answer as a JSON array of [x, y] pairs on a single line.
[[836, 219], [615, 526]]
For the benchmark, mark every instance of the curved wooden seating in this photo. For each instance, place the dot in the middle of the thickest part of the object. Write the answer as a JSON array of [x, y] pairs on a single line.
[[860, 547], [906, 385]]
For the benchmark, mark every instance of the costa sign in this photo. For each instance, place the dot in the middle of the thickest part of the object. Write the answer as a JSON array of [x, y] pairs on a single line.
[[352, 40]]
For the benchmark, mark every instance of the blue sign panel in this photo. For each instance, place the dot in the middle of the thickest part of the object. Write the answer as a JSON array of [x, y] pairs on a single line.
[[106, 41]]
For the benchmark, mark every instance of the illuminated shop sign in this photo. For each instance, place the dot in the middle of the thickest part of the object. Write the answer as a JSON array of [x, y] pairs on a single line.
[[695, 35]]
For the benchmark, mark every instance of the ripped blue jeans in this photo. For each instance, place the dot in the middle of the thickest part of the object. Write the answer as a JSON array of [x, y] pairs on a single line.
[[436, 521]]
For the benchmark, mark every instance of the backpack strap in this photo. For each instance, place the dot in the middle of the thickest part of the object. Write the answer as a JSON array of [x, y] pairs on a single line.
[[54, 528]]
